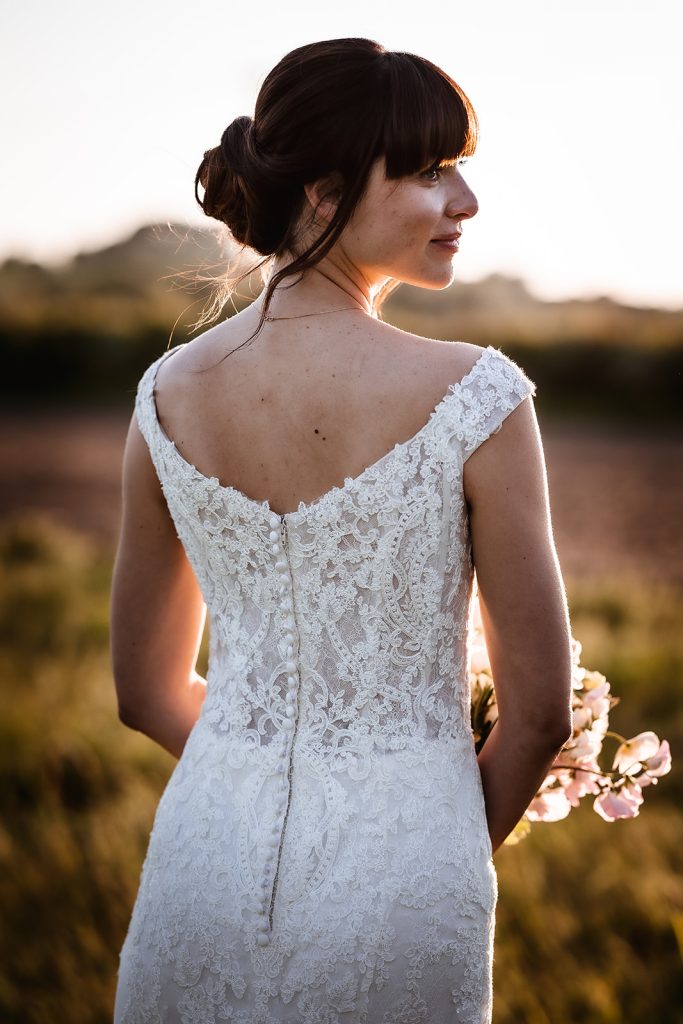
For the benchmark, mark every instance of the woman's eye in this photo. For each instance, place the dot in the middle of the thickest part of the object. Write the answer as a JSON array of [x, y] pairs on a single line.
[[440, 169]]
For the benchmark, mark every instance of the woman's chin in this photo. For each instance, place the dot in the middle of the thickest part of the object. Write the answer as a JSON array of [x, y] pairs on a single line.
[[437, 282], [434, 275]]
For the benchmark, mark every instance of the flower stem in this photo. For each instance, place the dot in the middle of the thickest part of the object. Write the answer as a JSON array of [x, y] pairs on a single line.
[[592, 771]]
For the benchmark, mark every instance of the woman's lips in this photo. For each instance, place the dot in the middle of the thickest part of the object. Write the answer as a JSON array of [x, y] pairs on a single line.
[[448, 245]]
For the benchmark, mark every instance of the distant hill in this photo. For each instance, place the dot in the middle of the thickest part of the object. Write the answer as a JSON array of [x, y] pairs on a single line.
[[499, 306], [121, 288], [147, 279]]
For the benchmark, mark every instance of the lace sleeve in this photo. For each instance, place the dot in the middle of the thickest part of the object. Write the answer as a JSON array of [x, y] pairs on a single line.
[[143, 409], [488, 396]]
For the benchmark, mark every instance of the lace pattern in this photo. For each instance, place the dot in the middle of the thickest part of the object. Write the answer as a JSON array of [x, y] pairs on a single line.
[[320, 852]]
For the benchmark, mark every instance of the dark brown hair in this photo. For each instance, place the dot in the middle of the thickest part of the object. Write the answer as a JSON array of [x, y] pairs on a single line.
[[330, 106]]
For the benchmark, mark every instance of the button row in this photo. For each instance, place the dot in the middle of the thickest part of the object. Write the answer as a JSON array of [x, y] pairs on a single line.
[[288, 724]]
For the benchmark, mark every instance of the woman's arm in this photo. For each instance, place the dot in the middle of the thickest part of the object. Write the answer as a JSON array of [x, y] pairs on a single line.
[[524, 615], [157, 611]]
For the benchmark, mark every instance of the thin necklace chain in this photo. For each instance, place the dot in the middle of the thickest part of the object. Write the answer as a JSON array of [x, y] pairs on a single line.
[[318, 313]]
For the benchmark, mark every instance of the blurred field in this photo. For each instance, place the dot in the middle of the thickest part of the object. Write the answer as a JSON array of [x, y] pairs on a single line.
[[590, 918]]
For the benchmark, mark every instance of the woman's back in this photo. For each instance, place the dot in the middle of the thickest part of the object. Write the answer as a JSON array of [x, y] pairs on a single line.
[[309, 404]]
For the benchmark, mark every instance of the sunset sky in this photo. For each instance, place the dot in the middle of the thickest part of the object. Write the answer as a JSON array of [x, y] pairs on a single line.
[[108, 108]]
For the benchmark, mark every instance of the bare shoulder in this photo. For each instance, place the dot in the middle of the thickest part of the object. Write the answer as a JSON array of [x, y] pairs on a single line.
[[450, 360], [186, 365], [460, 356], [431, 360], [190, 357]]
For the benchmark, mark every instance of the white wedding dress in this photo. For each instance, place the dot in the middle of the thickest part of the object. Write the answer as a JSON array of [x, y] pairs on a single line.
[[320, 854]]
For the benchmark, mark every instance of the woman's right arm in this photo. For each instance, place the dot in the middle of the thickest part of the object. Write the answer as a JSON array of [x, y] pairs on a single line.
[[524, 615]]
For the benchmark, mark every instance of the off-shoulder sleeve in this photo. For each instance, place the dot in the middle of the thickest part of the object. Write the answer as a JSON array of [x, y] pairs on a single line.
[[144, 410], [488, 394]]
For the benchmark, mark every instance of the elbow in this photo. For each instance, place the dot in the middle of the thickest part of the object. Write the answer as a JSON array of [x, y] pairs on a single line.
[[547, 734], [550, 732], [128, 707], [127, 690], [558, 733], [127, 717]]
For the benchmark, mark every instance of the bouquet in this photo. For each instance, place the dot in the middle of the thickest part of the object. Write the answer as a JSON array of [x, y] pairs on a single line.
[[576, 772]]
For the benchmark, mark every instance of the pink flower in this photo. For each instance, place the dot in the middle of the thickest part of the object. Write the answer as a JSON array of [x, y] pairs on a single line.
[[624, 803], [597, 700], [585, 746], [660, 762], [552, 805], [592, 680], [656, 766], [583, 783], [581, 718], [643, 749]]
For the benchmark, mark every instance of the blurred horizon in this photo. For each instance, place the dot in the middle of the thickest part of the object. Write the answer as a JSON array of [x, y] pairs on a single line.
[[83, 331], [63, 263]]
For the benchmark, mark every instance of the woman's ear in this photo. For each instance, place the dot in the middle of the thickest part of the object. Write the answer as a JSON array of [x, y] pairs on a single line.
[[324, 196]]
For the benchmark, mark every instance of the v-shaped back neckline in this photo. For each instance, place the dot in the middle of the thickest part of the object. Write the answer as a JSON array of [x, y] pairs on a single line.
[[350, 483]]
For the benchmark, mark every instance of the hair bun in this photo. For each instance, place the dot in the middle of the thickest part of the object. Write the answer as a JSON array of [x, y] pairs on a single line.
[[246, 189], [227, 175], [237, 145]]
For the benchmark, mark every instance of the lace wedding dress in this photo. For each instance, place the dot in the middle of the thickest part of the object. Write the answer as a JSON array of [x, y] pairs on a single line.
[[320, 854]]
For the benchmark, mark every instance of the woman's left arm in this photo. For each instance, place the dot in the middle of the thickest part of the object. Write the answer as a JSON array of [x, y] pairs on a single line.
[[157, 611]]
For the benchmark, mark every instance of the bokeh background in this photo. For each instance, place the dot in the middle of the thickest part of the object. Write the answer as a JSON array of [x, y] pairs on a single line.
[[572, 267]]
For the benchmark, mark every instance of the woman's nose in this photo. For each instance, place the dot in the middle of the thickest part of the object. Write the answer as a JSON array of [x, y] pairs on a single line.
[[465, 204]]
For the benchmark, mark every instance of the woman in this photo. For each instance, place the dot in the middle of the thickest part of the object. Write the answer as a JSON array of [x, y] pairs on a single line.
[[325, 484]]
